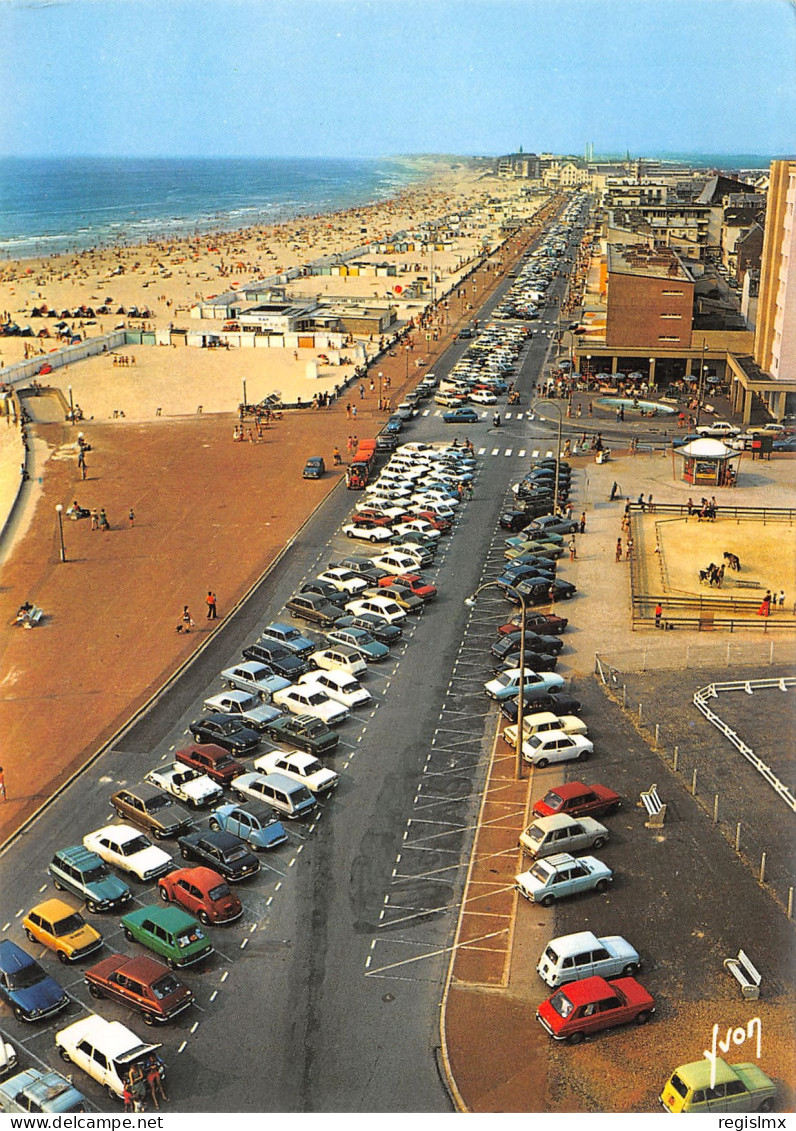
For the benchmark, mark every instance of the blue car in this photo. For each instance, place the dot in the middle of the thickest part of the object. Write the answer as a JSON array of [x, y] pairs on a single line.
[[40, 1091], [461, 416], [290, 637], [32, 994], [258, 827]]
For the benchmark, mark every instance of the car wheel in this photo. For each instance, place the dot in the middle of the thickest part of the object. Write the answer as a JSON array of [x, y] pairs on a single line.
[[231, 684], [543, 762], [158, 834], [164, 895], [599, 842], [92, 906], [204, 918], [350, 533], [601, 886], [575, 1038], [149, 1019], [58, 885], [584, 755], [548, 901], [95, 991], [184, 854], [174, 965], [214, 825], [22, 1016], [111, 1093], [766, 1105], [128, 934], [30, 935], [643, 1017], [61, 1052], [373, 538], [630, 969], [63, 957]]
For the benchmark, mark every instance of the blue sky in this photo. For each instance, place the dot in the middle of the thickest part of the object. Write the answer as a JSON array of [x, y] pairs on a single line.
[[377, 77]]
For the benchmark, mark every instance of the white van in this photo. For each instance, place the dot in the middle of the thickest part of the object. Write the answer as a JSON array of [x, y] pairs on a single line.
[[106, 1050], [572, 957]]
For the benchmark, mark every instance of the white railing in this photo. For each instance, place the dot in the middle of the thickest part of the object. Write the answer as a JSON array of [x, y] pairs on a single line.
[[711, 691]]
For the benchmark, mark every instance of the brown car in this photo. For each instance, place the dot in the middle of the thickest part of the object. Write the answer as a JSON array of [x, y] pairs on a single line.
[[215, 761], [142, 983], [152, 809]]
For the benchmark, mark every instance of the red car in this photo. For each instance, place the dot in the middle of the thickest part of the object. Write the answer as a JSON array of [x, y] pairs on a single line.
[[545, 623], [413, 582], [203, 892], [577, 800], [581, 1008], [142, 983], [370, 517], [217, 763], [443, 525]]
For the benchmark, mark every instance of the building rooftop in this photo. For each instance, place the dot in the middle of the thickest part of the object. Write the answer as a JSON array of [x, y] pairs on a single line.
[[638, 259]]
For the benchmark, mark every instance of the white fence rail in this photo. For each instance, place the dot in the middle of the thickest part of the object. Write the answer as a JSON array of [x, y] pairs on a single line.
[[712, 691]]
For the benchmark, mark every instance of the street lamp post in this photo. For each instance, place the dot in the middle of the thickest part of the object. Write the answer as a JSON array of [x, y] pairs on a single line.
[[700, 383], [60, 512], [71, 406], [470, 601], [408, 349], [244, 392], [558, 447], [381, 379]]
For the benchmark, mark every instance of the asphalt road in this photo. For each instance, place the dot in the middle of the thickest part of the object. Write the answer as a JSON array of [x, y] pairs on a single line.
[[325, 996]]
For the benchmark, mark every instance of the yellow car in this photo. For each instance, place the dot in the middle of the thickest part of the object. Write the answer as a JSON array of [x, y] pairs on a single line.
[[736, 1087], [62, 929]]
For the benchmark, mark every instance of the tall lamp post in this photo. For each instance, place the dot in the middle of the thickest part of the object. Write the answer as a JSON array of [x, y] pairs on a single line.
[[71, 406], [700, 384], [558, 446], [470, 602], [381, 379], [60, 512]]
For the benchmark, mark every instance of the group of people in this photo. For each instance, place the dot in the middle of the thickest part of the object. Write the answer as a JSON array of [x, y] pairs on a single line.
[[142, 1079], [770, 600], [706, 510]]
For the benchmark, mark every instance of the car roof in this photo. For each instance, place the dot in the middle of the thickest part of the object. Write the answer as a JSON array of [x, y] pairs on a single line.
[[172, 918], [575, 943], [53, 909], [588, 989], [13, 957], [697, 1073], [79, 856], [557, 821], [117, 1040]]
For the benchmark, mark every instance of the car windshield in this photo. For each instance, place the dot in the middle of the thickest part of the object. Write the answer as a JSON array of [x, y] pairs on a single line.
[[292, 634], [561, 1004], [94, 875], [69, 925], [534, 833], [222, 763], [553, 799], [28, 976], [155, 804], [218, 892], [137, 844], [229, 726], [235, 854], [248, 704], [164, 986], [189, 935], [316, 698]]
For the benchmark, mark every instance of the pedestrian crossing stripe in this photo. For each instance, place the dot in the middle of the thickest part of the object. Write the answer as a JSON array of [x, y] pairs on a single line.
[[521, 452], [519, 415], [508, 416], [426, 411], [508, 452], [495, 451], [481, 451]]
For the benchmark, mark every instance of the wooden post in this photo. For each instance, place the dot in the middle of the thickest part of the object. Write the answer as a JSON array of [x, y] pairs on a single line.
[[738, 837], [694, 783], [676, 758], [763, 868], [715, 809]]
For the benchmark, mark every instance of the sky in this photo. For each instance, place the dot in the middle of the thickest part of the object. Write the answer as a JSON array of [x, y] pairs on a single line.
[[354, 78]]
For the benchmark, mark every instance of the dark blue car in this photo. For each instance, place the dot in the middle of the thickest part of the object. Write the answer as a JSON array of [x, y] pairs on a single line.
[[32, 994], [461, 416]]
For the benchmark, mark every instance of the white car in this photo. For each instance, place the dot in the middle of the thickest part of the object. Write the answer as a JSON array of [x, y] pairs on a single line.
[[8, 1058], [555, 877], [338, 685], [186, 784], [338, 657], [130, 851], [554, 746], [302, 700], [382, 607], [481, 396], [421, 502], [343, 580], [256, 678], [561, 833], [417, 526], [718, 429], [243, 705], [106, 1050], [545, 720], [367, 533], [301, 767], [396, 561], [390, 510]]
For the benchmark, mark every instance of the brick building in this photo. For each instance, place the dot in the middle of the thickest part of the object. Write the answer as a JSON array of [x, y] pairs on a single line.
[[650, 299]]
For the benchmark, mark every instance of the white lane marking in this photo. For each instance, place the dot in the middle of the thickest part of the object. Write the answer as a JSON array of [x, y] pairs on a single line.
[[495, 451], [508, 452], [521, 453], [182, 1046]]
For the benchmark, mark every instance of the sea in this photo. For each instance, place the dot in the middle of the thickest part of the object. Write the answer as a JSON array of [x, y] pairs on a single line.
[[50, 205]]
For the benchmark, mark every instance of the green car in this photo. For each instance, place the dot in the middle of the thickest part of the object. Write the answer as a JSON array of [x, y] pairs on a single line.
[[80, 871], [169, 932]]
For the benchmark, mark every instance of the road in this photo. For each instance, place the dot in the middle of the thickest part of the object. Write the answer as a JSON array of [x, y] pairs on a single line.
[[325, 996]]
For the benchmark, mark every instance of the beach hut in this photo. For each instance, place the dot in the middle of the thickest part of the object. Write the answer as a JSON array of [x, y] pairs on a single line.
[[707, 463]]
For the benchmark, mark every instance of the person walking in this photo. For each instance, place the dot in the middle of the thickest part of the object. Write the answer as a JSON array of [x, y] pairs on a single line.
[[94, 519], [614, 489], [583, 522], [573, 549], [619, 549], [628, 549], [782, 598], [336, 457], [103, 520], [187, 620], [658, 614], [131, 517], [210, 600]]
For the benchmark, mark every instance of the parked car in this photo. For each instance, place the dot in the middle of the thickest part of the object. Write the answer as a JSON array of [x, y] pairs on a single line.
[[106, 1050], [592, 1005], [186, 784], [338, 657], [62, 929], [383, 631], [560, 875], [737, 1087], [305, 732], [381, 606], [508, 683], [541, 721], [359, 640], [35, 1091], [83, 873], [169, 932], [243, 705], [413, 583], [303, 699], [547, 836], [142, 984], [220, 851], [718, 429], [289, 637], [255, 677], [338, 685], [256, 826], [286, 795], [550, 746], [31, 993], [301, 767], [217, 763], [369, 531], [582, 955], [507, 646], [577, 800], [558, 702], [130, 850], [152, 809], [547, 623], [344, 580], [203, 892], [225, 731], [314, 608], [314, 468], [282, 662]]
